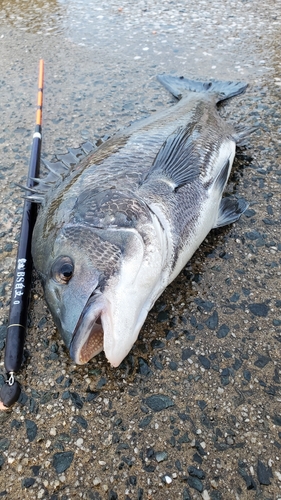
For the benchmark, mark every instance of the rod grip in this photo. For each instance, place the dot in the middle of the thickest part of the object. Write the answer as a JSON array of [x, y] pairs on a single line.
[[14, 348]]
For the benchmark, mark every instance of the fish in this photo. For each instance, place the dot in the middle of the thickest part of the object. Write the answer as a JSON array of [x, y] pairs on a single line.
[[118, 222]]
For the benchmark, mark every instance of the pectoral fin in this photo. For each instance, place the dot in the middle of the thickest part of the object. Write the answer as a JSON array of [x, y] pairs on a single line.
[[177, 162]]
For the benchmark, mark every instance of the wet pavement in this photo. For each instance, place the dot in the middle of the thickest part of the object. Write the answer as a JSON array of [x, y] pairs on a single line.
[[194, 410]]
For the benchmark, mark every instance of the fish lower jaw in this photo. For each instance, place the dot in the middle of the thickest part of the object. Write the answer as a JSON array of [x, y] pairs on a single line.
[[88, 337], [93, 345]]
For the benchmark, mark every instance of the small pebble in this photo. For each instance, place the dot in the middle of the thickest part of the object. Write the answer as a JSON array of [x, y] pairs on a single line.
[[168, 479], [31, 429], [160, 456], [195, 483], [205, 495], [62, 461], [260, 310], [159, 402], [264, 473], [27, 482]]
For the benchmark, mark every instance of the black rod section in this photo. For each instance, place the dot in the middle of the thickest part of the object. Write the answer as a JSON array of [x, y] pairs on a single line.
[[17, 324]]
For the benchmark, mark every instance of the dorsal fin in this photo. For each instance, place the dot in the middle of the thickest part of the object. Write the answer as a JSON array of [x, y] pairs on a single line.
[[55, 167], [87, 147], [58, 170], [79, 153], [69, 159]]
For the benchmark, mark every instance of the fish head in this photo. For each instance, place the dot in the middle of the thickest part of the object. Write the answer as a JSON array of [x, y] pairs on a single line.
[[97, 288]]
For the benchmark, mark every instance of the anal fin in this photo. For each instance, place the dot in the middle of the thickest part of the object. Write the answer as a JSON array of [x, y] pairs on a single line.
[[230, 210]]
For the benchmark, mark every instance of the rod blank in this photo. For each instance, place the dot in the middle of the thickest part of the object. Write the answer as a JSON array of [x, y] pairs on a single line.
[[22, 279]]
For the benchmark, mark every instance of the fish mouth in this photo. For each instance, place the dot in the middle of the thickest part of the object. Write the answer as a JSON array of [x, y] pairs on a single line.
[[88, 337]]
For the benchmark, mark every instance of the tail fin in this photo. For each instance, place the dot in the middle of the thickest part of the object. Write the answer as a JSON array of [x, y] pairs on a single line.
[[179, 86]]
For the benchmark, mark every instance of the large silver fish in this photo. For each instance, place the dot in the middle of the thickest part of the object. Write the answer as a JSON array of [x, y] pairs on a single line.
[[117, 227]]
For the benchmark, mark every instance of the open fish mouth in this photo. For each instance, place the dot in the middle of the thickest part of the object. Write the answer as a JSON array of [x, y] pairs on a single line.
[[88, 337]]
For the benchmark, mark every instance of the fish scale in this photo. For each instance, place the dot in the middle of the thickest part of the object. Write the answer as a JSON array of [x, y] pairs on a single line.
[[118, 225], [108, 208]]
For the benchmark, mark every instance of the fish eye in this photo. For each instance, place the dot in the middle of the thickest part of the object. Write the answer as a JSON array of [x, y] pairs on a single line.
[[62, 270]]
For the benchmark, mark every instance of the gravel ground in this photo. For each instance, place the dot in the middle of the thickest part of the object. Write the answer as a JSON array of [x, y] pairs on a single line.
[[194, 410]]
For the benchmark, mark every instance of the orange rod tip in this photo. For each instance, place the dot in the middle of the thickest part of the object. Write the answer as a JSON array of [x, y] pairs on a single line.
[[41, 74], [40, 93]]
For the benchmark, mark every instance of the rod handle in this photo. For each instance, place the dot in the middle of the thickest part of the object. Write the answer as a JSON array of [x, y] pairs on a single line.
[[14, 348]]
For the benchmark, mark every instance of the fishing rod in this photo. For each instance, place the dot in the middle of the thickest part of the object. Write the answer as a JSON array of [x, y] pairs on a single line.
[[16, 330]]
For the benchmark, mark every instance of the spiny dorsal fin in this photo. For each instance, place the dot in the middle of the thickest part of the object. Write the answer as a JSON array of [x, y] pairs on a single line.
[[56, 167], [79, 153], [87, 147], [33, 190], [35, 198], [68, 159], [58, 170]]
